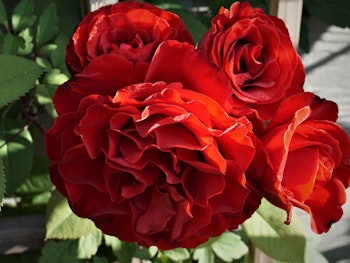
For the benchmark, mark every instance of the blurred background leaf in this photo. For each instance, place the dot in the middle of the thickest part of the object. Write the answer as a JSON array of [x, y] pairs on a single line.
[[335, 12], [267, 232], [16, 147], [62, 223]]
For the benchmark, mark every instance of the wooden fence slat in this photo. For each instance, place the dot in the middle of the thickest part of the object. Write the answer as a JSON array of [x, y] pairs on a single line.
[[290, 11], [21, 233], [260, 257], [92, 5]]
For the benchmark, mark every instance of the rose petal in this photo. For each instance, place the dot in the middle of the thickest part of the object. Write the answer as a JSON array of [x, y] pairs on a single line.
[[108, 73], [177, 71], [155, 218]]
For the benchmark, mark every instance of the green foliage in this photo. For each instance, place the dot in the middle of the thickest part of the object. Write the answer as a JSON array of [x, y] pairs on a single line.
[[71, 250], [16, 147], [2, 181], [11, 44], [57, 56], [3, 15], [17, 77], [47, 25], [146, 253], [45, 93], [335, 12], [54, 77], [123, 251], [203, 255], [23, 15], [27, 45], [97, 259], [60, 251], [62, 223], [226, 247], [38, 180], [69, 15], [177, 254], [195, 26], [229, 246], [267, 232], [88, 245]]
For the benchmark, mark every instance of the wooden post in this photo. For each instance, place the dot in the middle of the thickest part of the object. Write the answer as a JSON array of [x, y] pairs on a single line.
[[21, 233], [260, 257], [290, 11], [88, 6]]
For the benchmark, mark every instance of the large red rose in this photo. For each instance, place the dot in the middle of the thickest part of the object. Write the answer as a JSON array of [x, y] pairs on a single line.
[[115, 43], [256, 53], [309, 159], [156, 164]]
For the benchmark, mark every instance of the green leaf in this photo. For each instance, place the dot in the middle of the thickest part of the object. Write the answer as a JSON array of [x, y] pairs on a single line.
[[88, 245], [124, 251], [203, 255], [28, 45], [97, 259], [11, 44], [196, 28], [22, 16], [71, 250], [229, 246], [47, 49], [177, 254], [44, 96], [69, 15], [16, 152], [55, 77], [3, 15], [47, 25], [59, 54], [62, 223], [35, 200], [146, 253], [2, 181], [335, 12], [39, 179], [267, 232], [60, 251], [43, 62], [17, 76]]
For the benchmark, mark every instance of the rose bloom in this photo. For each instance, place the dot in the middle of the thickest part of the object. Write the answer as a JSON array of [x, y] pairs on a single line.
[[309, 157], [184, 59], [255, 52], [125, 34], [156, 164]]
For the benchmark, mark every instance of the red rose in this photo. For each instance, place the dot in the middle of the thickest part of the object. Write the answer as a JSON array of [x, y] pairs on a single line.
[[156, 164], [114, 45], [256, 53], [184, 59], [309, 157]]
